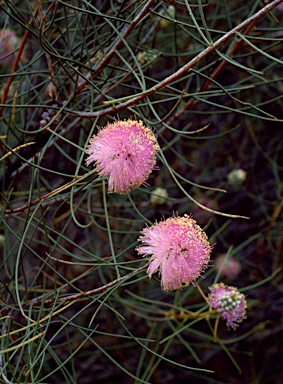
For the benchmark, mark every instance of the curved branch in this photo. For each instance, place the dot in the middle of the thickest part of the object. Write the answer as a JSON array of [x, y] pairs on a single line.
[[117, 45], [183, 70]]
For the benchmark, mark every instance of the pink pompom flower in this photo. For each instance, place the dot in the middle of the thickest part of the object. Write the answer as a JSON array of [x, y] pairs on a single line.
[[179, 249], [228, 302], [124, 152]]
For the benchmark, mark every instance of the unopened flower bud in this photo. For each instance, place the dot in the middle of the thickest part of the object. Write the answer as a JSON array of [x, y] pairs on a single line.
[[237, 177], [141, 57], [171, 12], [228, 266], [2, 240], [158, 196], [9, 42]]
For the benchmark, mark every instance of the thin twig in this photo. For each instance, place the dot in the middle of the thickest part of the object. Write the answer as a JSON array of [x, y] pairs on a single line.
[[215, 73], [16, 61], [53, 193], [182, 71], [40, 301], [117, 45]]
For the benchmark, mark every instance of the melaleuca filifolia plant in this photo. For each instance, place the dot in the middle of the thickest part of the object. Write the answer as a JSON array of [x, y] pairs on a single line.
[[203, 82]]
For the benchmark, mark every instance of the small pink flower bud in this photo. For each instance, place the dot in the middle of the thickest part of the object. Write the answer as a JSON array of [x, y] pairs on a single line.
[[228, 266], [279, 8], [9, 42]]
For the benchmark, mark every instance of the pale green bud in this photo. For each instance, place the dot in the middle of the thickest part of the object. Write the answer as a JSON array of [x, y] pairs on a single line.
[[158, 196], [171, 12], [237, 176], [2, 241]]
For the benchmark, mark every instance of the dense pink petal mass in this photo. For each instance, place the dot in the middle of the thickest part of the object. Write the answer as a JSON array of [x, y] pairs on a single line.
[[124, 152], [228, 302], [179, 249]]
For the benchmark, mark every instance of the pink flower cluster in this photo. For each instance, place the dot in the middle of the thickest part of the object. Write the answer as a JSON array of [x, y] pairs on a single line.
[[8, 43], [228, 302], [124, 152], [179, 249]]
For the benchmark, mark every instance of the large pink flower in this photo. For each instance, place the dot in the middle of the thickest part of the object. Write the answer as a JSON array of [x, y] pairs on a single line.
[[179, 249], [125, 153], [228, 302]]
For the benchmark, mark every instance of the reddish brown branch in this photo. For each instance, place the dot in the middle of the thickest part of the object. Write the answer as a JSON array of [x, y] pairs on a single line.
[[215, 73], [48, 302], [117, 45], [16, 61], [183, 70], [53, 193]]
